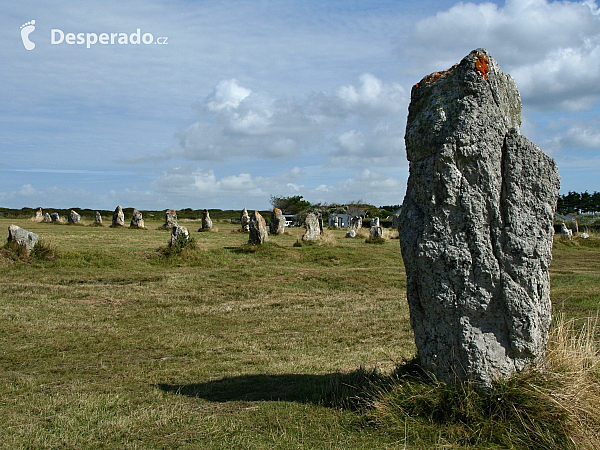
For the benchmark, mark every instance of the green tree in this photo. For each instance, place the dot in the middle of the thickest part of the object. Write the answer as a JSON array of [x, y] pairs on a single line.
[[290, 205]]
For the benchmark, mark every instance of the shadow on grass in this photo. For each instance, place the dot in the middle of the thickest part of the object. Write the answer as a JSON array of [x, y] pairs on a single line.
[[336, 390]]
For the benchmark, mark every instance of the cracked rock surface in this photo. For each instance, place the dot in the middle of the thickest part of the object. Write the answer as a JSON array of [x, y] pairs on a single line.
[[476, 225]]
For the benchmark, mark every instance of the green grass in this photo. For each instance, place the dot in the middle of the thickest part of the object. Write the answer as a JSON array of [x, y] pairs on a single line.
[[110, 343]]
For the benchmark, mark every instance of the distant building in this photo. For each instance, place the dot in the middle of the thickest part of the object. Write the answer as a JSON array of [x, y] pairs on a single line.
[[340, 220]]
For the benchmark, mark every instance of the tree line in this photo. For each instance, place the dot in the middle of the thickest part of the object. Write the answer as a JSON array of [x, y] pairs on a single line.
[[578, 202]]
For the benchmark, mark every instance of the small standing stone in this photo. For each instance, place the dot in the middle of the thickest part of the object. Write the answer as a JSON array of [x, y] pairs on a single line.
[[176, 231], [136, 220], [39, 215], [98, 219], [351, 234], [245, 221], [376, 232], [74, 217], [356, 223], [118, 219], [206, 221], [258, 229], [374, 222], [47, 218], [277, 225], [22, 237], [313, 232], [395, 221], [170, 219], [55, 217]]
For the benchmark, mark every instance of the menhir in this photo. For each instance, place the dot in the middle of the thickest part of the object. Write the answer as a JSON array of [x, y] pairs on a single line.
[[476, 226]]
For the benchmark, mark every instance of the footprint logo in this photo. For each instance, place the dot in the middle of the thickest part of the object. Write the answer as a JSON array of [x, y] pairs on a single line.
[[26, 30]]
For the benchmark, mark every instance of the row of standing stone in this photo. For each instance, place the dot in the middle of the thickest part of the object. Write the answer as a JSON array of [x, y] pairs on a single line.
[[118, 219]]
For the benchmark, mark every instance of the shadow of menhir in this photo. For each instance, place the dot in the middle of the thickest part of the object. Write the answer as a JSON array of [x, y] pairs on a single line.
[[335, 390]]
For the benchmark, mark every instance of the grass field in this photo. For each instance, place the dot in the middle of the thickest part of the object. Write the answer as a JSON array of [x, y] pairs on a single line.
[[112, 344]]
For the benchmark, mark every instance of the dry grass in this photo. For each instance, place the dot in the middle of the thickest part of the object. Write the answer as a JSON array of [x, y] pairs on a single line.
[[574, 369], [111, 344]]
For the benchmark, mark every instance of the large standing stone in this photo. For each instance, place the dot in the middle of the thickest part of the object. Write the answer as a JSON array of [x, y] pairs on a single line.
[[476, 225], [258, 229], [395, 221], [206, 221], [74, 217], [98, 218], [177, 231], [22, 237], [136, 220], [277, 225], [47, 218], [374, 222], [313, 231], [39, 215], [118, 219], [55, 217]]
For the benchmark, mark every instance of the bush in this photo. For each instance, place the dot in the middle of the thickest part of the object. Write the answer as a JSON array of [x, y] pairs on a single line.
[[180, 245]]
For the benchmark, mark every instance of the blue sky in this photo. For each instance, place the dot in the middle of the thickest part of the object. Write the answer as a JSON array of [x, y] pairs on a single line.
[[252, 99]]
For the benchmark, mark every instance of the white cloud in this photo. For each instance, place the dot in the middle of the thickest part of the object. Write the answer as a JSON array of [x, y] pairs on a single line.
[[583, 136], [552, 49], [235, 121], [227, 94], [368, 185]]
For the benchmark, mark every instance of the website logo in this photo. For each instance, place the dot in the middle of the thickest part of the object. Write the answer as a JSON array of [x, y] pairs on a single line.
[[26, 30], [88, 39]]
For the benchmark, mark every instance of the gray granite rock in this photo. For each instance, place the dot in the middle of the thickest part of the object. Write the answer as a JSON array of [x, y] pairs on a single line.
[[376, 232], [206, 221], [74, 217], [313, 231], [136, 220], [98, 218], [170, 218], [118, 219], [351, 234], [395, 221], [22, 237], [277, 225], [476, 226], [39, 215], [356, 222], [177, 231], [55, 217], [257, 229], [47, 218], [374, 222], [245, 221]]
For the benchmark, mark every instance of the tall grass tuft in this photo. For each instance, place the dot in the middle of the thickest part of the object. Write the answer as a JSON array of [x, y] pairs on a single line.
[[327, 239], [14, 251], [550, 407], [44, 251]]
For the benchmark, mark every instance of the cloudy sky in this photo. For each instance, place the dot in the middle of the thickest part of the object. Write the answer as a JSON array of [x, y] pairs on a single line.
[[248, 99]]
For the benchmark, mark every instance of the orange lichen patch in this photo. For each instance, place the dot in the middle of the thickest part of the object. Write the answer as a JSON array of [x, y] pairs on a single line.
[[276, 210], [482, 66], [433, 77]]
